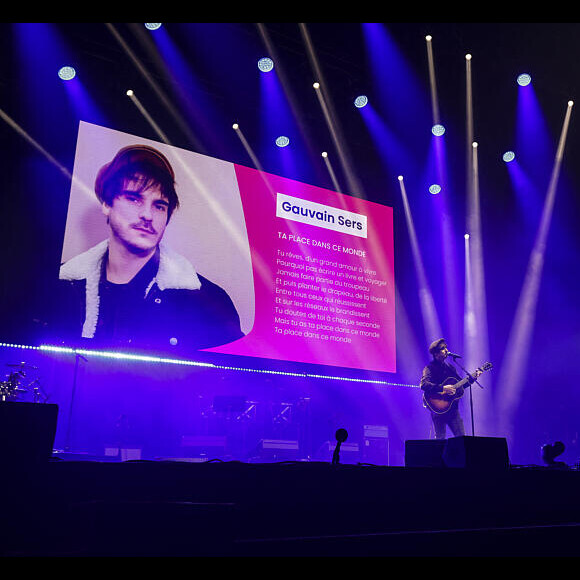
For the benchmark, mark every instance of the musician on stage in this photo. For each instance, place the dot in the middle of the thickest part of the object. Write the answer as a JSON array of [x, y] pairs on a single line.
[[434, 374]]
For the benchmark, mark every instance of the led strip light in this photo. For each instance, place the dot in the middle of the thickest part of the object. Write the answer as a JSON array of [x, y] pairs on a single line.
[[185, 362]]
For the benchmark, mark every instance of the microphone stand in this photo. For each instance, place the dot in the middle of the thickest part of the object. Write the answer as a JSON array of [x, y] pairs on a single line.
[[470, 392], [340, 435], [72, 399]]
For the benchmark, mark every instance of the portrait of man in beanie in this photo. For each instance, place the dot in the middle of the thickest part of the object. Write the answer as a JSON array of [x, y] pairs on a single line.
[[133, 289]]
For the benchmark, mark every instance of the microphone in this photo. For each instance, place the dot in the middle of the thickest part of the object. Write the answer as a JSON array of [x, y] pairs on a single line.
[[453, 355]]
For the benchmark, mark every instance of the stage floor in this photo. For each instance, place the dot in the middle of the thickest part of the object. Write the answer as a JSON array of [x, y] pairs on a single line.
[[69, 507]]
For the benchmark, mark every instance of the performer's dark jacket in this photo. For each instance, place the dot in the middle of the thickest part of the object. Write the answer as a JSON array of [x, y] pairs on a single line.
[[167, 304], [435, 373]]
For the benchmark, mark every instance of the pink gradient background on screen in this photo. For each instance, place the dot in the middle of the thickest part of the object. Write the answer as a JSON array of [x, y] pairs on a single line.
[[266, 233]]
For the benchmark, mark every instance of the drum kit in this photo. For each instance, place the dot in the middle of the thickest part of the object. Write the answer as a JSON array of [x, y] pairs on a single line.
[[16, 384]]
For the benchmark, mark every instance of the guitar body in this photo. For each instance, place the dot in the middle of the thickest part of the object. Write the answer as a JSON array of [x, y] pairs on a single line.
[[440, 402]]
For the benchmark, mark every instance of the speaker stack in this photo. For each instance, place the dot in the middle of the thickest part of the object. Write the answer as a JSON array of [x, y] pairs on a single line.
[[27, 431], [489, 453]]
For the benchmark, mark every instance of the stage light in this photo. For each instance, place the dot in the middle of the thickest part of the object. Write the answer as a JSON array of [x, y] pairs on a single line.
[[466, 236], [265, 64], [66, 73], [152, 25], [438, 130], [550, 452], [508, 156], [235, 126], [324, 154], [524, 79], [129, 93], [282, 141], [361, 101], [434, 189], [316, 85]]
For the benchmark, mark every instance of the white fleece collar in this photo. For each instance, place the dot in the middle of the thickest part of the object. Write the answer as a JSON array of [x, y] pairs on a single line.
[[174, 272]]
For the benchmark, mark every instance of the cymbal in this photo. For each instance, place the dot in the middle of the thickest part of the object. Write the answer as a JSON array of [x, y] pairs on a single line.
[[22, 365]]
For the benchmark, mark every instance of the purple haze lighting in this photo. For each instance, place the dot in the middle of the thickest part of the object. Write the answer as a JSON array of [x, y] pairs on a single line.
[[519, 346], [392, 151], [40, 48], [534, 143], [440, 204], [279, 127], [526, 192], [193, 103], [399, 95], [427, 304]]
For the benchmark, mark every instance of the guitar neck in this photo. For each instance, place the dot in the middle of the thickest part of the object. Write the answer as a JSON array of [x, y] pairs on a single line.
[[463, 382]]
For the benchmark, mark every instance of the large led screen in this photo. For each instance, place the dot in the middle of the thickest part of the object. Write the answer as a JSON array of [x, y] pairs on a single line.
[[247, 263]]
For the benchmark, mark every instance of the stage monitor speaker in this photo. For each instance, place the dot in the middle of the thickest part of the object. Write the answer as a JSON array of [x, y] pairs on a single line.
[[488, 453], [424, 453], [27, 431]]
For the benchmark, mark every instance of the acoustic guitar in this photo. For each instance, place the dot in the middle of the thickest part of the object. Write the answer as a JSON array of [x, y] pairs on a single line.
[[440, 402]]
